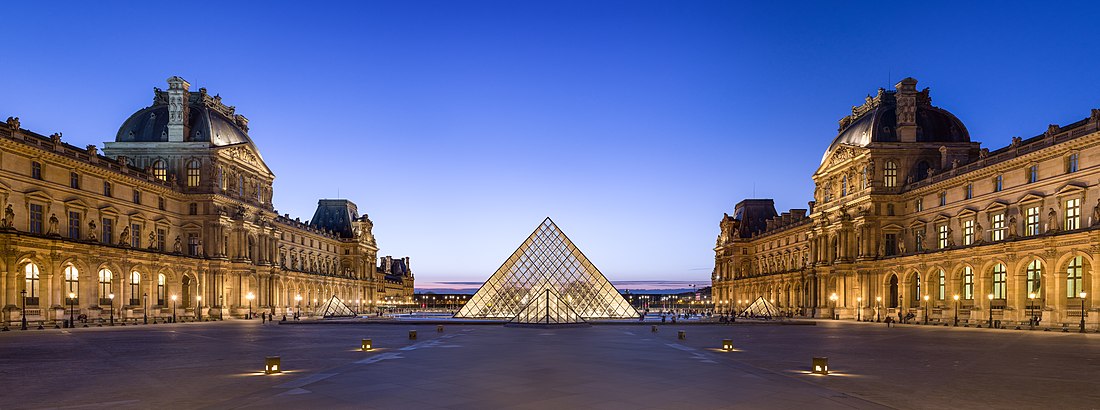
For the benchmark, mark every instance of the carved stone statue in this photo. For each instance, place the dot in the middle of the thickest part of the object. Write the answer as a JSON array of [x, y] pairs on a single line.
[[91, 230], [1095, 213], [9, 217], [53, 225], [1051, 226], [901, 245], [152, 239], [881, 248], [950, 237], [871, 168], [724, 226], [124, 236], [979, 232], [177, 247], [919, 240], [1013, 227]]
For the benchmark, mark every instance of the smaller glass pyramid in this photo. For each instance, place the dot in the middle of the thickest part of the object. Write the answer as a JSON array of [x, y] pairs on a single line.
[[334, 308], [761, 308]]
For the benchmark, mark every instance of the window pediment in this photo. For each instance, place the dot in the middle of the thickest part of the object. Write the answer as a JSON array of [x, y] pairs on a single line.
[[1070, 189], [919, 223], [996, 206], [893, 228], [76, 203], [941, 218], [1030, 197], [38, 196], [966, 212]]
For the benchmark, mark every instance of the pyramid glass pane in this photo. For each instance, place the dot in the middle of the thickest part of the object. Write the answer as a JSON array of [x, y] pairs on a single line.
[[548, 262], [334, 308]]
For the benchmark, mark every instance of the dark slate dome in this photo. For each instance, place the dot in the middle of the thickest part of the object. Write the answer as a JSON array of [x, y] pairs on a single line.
[[877, 120], [206, 120]]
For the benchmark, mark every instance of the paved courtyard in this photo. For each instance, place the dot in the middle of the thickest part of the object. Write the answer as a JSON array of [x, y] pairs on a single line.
[[218, 365]]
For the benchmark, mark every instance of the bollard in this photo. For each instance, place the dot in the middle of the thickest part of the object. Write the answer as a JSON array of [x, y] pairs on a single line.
[[727, 344], [653, 329], [821, 365], [272, 365], [439, 328], [367, 345], [412, 335], [681, 335]]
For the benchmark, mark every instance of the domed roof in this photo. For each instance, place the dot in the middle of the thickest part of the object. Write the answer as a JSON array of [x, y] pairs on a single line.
[[877, 120], [206, 120]]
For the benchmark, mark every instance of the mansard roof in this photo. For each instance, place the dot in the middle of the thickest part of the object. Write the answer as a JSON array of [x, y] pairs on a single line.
[[335, 215]]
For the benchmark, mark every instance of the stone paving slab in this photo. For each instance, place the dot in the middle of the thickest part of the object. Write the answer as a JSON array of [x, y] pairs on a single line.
[[218, 365]]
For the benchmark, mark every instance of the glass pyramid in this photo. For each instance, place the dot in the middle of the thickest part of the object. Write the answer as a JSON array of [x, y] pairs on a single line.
[[334, 308], [761, 308], [547, 261], [547, 308]]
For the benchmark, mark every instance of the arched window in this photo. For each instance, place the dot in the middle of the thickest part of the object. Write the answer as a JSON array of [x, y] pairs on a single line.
[[1074, 284], [916, 296], [160, 290], [193, 176], [105, 286], [32, 275], [160, 170], [968, 283], [72, 284], [999, 282], [890, 174], [922, 170], [1035, 278], [135, 288], [941, 285]]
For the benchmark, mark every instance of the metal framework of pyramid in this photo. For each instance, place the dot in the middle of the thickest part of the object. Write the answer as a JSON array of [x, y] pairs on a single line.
[[547, 308], [547, 261], [334, 308], [761, 308]]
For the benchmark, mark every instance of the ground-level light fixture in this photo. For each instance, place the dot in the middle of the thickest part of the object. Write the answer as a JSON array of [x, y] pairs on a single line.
[[681, 335], [727, 344], [412, 335], [367, 345], [653, 328], [821, 365], [439, 328], [272, 365]]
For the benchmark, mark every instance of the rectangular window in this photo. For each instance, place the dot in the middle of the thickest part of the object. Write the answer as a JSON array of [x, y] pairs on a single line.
[[920, 204], [161, 239], [160, 203], [968, 232], [135, 235], [969, 190], [942, 286], [1032, 173], [1073, 278], [943, 198], [74, 180], [968, 283], [942, 231], [999, 282], [891, 244], [36, 218], [890, 174], [193, 244], [1073, 214], [74, 225], [36, 170], [137, 197], [998, 232], [108, 231], [1031, 221], [193, 209], [998, 183], [106, 189], [1071, 162], [104, 287]]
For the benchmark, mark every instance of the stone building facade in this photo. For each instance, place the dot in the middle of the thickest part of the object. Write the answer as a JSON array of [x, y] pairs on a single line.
[[909, 213], [175, 215]]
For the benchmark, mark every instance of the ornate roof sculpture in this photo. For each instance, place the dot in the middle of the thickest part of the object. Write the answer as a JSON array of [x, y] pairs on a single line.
[[547, 278], [904, 115], [178, 115]]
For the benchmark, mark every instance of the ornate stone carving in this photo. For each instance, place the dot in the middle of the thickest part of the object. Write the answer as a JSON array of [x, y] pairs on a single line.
[[13, 122], [124, 236], [9, 217], [91, 230], [53, 225]]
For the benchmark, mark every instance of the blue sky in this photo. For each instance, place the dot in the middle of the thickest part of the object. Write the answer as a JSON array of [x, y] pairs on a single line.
[[458, 126]]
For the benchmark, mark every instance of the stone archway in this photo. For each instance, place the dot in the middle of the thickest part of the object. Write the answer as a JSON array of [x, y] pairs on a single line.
[[893, 291], [185, 292]]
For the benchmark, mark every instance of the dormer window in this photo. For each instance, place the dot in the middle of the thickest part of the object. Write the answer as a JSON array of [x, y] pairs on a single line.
[[36, 170], [1033, 173], [160, 170], [1071, 162], [890, 174]]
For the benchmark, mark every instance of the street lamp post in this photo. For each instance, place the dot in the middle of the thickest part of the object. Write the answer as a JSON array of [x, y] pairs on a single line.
[[198, 311], [73, 309], [1083, 294], [859, 309], [173, 297], [1031, 310], [111, 296], [878, 306], [250, 296], [145, 307], [926, 310], [833, 298], [956, 297], [23, 325], [990, 296]]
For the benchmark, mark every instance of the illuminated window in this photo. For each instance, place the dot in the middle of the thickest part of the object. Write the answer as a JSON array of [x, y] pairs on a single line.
[[942, 231], [31, 274], [941, 287], [160, 290], [160, 170], [1071, 162], [1073, 214], [1032, 173], [890, 174], [998, 183], [968, 232], [105, 286], [968, 283], [1035, 277], [999, 282], [72, 284], [1031, 226], [193, 176], [1074, 277], [920, 204], [135, 288], [998, 232], [943, 198]]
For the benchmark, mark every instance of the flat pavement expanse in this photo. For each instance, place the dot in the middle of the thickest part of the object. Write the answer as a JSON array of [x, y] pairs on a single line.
[[218, 365]]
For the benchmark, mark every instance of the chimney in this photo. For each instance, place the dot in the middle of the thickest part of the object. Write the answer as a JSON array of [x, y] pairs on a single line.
[[906, 110], [178, 108]]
